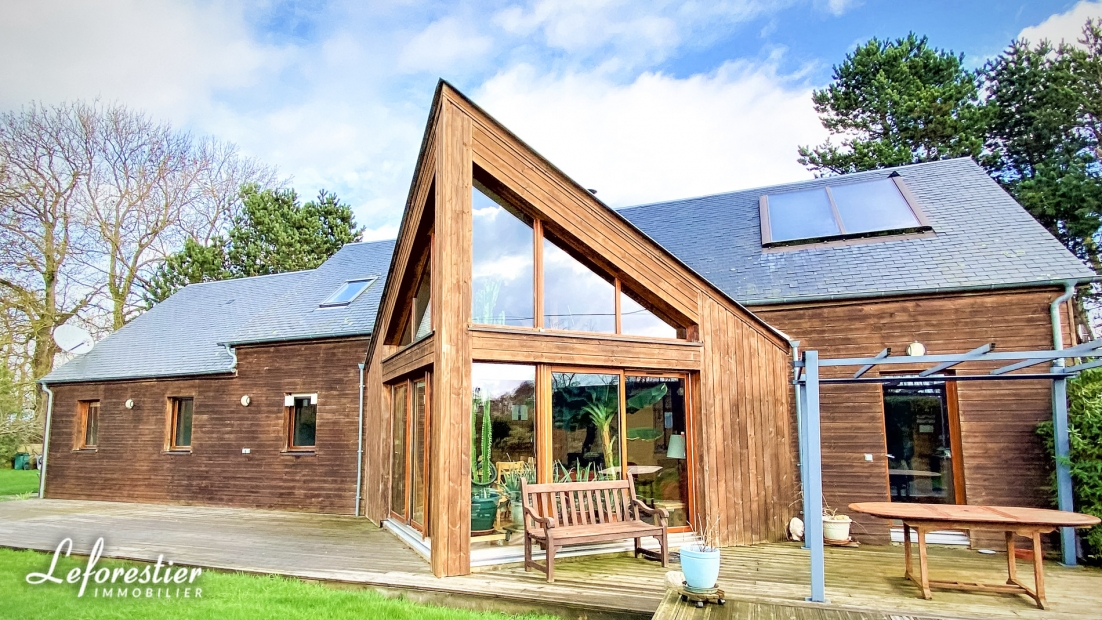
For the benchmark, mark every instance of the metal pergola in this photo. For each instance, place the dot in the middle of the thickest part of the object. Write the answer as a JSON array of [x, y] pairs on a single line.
[[807, 379]]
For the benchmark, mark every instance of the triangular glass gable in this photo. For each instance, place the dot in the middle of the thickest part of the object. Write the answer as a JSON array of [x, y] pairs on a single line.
[[502, 275], [574, 297], [635, 320]]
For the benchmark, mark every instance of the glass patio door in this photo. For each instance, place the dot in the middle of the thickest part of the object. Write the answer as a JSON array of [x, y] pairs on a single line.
[[920, 428], [409, 466], [656, 436]]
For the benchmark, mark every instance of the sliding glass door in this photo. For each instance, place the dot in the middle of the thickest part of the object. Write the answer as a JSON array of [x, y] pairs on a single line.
[[409, 464]]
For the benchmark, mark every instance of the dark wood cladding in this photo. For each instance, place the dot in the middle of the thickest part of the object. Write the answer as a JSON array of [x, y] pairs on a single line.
[[530, 347], [1004, 460], [131, 464]]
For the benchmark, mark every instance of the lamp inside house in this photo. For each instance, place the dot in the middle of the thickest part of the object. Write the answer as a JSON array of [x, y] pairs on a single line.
[[676, 447]]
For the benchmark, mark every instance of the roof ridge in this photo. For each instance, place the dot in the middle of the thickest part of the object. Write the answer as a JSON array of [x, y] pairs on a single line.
[[247, 278]]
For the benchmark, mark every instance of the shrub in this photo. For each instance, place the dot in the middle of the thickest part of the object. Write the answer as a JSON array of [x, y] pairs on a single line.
[[1085, 436]]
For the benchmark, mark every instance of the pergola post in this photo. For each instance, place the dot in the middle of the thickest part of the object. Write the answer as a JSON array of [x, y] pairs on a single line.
[[1063, 469], [812, 475]]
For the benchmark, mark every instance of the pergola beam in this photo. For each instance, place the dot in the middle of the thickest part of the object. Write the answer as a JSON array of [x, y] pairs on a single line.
[[971, 355], [867, 367]]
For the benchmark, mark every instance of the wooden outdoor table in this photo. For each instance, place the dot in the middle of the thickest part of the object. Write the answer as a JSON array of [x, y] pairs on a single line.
[[1027, 522]]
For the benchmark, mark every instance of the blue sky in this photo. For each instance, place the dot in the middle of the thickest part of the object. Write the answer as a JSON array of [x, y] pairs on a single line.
[[644, 100]]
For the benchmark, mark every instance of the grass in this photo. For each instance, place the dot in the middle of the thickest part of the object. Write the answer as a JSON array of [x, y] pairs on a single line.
[[18, 481], [228, 596]]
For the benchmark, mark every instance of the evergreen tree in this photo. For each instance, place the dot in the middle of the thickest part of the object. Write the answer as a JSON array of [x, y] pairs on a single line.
[[894, 103], [273, 233]]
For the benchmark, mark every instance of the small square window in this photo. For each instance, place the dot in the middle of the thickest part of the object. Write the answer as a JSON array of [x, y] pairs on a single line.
[[302, 421], [348, 292], [180, 424], [89, 424]]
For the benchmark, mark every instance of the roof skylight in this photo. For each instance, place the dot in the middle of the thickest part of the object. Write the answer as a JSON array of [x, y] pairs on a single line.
[[839, 212], [348, 292]]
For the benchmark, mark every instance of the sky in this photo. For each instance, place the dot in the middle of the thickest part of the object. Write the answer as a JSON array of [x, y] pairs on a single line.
[[644, 101]]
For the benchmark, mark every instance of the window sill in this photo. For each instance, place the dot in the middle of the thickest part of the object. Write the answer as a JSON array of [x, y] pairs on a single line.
[[86, 449], [298, 452], [177, 451]]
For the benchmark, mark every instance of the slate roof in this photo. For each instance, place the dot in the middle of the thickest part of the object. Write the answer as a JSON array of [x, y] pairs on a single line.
[[186, 333], [982, 238]]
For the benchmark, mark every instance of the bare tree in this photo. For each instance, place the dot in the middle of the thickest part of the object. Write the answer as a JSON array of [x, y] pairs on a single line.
[[150, 188], [44, 159]]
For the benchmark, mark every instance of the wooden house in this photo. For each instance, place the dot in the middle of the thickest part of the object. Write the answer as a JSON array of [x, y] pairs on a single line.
[[520, 328]]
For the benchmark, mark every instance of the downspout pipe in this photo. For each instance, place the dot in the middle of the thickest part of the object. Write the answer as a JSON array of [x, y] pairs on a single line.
[[1061, 443], [233, 356], [1054, 311], [45, 440], [360, 449]]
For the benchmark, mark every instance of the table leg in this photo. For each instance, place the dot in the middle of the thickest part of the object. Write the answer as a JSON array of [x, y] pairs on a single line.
[[1039, 570], [907, 549], [1011, 560], [922, 564]]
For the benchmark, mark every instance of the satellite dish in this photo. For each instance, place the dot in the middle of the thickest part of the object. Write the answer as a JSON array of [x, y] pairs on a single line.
[[73, 339]]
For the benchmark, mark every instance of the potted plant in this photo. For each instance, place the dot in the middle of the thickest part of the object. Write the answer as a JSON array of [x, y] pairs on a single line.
[[700, 561], [511, 484], [835, 526], [484, 499]]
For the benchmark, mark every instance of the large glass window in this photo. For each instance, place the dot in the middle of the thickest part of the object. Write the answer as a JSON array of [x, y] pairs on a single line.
[[502, 277], [919, 441], [656, 443], [399, 419], [503, 444], [585, 425], [574, 296], [635, 320]]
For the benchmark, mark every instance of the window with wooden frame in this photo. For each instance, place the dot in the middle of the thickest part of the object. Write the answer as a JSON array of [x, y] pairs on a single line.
[[180, 411], [418, 317], [88, 425], [301, 421], [524, 275]]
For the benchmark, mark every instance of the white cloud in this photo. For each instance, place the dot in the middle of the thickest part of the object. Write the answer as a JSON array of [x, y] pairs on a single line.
[[443, 45], [386, 231], [1067, 27], [660, 137], [167, 57]]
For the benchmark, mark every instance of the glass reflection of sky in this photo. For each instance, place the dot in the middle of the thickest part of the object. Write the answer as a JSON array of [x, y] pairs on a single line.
[[497, 380], [502, 274], [635, 320], [574, 297]]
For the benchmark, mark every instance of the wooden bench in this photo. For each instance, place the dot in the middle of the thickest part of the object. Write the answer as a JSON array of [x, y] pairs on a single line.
[[577, 513]]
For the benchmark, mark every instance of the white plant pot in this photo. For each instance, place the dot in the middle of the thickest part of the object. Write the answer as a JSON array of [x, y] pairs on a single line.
[[836, 529]]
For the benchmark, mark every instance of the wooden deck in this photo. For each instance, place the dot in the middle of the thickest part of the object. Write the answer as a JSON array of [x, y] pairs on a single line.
[[762, 581]]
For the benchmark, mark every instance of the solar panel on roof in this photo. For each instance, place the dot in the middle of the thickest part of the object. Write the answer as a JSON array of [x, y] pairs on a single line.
[[836, 212]]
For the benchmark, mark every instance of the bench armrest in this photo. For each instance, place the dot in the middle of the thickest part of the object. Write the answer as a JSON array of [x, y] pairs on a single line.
[[641, 507], [546, 522]]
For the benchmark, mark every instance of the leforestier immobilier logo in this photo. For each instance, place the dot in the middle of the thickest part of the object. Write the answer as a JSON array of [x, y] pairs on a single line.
[[161, 580]]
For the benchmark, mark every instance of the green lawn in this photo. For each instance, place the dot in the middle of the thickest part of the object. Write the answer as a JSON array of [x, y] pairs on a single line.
[[16, 481], [225, 596]]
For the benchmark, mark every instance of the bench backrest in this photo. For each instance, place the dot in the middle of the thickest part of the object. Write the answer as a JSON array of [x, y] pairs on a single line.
[[580, 503]]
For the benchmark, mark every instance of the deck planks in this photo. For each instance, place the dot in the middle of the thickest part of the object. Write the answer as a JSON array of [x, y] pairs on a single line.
[[758, 580]]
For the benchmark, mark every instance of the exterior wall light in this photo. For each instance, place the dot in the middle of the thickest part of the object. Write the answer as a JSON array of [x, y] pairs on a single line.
[[916, 349], [129, 404], [246, 400]]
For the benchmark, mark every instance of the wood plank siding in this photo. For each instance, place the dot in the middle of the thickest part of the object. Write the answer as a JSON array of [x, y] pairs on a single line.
[[131, 464], [741, 450], [1004, 460]]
